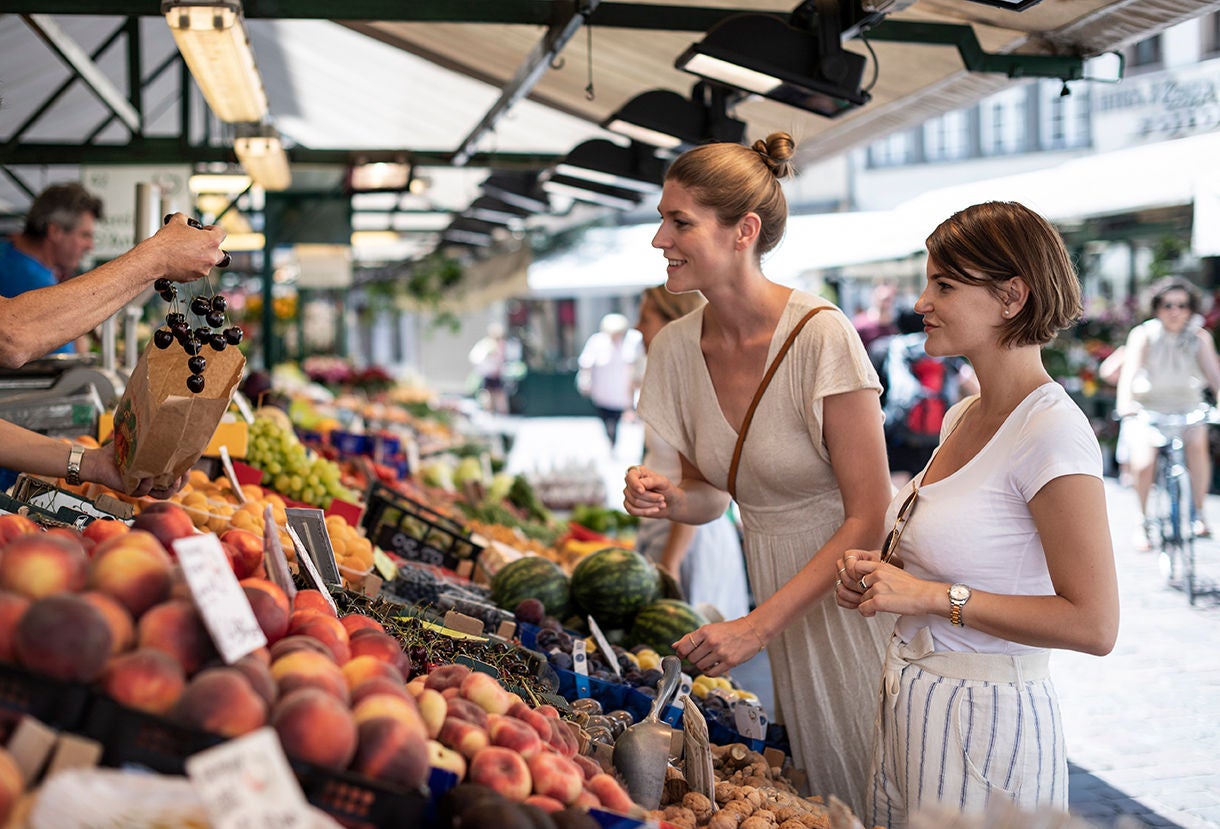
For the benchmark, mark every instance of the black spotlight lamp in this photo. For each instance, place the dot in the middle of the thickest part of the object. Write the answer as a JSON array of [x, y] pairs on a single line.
[[583, 190], [761, 53], [663, 118], [635, 168], [518, 189]]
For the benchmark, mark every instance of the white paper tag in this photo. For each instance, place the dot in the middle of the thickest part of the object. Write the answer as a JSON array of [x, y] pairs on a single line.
[[304, 559], [410, 448], [684, 688], [580, 660], [246, 783], [221, 601], [243, 406], [749, 718], [226, 463], [603, 645]]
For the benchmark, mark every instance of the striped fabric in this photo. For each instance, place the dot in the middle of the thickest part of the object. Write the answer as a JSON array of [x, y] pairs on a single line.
[[959, 743]]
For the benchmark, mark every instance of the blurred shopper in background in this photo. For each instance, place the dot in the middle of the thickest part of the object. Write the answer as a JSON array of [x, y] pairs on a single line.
[[1168, 363], [58, 233], [809, 475], [705, 560], [607, 370], [492, 357], [878, 319], [1001, 544]]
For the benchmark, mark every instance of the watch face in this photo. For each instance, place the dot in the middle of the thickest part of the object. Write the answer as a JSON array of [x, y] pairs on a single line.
[[959, 592]]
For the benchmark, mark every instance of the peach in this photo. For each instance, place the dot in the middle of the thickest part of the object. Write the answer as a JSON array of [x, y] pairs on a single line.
[[380, 645], [269, 611], [546, 804], [12, 606], [122, 626], [42, 564], [63, 636], [587, 800], [359, 668], [167, 521], [73, 534], [466, 710], [487, 692], [134, 569], [443, 757], [532, 718], [556, 776], [258, 673], [288, 644], [353, 622], [103, 529], [433, 708], [463, 737], [311, 599], [176, 628], [139, 538], [144, 679], [503, 770], [396, 707], [610, 792], [13, 525], [12, 785], [587, 765], [377, 685], [315, 727], [417, 684], [549, 711], [513, 734], [391, 751], [326, 629], [309, 669], [248, 552], [447, 676], [220, 701]]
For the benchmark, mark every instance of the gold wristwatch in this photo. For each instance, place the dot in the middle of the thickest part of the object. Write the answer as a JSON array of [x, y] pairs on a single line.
[[74, 457], [959, 594]]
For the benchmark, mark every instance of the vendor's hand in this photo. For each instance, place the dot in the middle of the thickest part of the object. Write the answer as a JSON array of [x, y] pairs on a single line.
[[648, 494], [184, 252], [717, 648]]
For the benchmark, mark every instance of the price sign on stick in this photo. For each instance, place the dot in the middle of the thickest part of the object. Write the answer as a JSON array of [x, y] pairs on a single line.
[[603, 645], [247, 782], [274, 557], [221, 601], [310, 525], [226, 463], [306, 562]]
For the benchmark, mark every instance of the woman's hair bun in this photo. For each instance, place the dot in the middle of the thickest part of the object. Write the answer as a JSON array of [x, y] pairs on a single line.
[[776, 152]]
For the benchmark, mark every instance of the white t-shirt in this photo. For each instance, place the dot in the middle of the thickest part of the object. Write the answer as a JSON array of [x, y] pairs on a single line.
[[611, 367], [975, 526]]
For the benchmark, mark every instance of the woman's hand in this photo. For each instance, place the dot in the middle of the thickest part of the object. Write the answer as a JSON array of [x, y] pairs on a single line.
[[647, 493], [717, 648], [100, 466], [848, 592], [869, 586]]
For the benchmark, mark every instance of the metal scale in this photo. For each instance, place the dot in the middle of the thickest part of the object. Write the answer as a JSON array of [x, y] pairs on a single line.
[[61, 395]]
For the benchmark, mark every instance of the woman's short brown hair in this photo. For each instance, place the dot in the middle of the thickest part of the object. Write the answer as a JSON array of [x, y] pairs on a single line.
[[733, 180], [1006, 239], [671, 306]]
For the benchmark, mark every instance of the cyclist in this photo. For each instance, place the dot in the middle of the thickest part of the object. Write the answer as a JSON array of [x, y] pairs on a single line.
[[1169, 361]]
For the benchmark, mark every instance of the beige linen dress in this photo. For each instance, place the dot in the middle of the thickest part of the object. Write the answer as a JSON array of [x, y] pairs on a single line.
[[826, 666]]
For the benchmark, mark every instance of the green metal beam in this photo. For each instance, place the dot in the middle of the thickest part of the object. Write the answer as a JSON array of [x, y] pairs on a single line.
[[1064, 67], [175, 151], [657, 16]]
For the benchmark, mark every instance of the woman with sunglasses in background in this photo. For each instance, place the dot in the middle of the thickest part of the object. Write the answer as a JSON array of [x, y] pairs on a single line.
[[1169, 361], [1000, 548]]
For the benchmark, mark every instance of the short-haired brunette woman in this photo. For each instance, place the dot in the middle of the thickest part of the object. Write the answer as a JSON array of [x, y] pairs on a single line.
[[1003, 538]]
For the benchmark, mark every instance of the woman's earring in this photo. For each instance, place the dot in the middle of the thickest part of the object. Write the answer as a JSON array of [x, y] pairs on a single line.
[[1005, 312]]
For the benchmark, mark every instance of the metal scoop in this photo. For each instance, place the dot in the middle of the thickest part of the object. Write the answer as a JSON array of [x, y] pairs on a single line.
[[642, 751]]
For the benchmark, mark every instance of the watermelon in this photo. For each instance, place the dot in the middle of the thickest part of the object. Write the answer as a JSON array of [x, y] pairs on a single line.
[[662, 623], [531, 577], [612, 584]]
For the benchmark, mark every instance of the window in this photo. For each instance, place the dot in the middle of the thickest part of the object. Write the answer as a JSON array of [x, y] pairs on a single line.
[[1065, 118], [1145, 53], [1210, 26], [1002, 120], [894, 150], [947, 138]]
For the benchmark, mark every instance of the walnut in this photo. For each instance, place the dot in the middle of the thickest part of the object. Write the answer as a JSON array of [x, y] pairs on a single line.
[[792, 824], [816, 820], [739, 805], [724, 820], [752, 794], [785, 813], [757, 822], [700, 805], [681, 816], [725, 791]]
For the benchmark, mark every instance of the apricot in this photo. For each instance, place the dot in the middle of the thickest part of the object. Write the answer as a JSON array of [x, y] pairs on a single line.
[[315, 727], [145, 679]]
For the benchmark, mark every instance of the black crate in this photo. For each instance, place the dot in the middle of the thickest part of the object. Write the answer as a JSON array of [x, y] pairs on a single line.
[[57, 703], [359, 802], [136, 738], [409, 529]]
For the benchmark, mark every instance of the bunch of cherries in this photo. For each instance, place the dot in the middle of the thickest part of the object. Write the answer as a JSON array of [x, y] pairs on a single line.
[[212, 310]]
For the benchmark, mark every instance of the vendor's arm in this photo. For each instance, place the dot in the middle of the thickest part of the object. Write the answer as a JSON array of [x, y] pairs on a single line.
[[1069, 513], [856, 443], [38, 322]]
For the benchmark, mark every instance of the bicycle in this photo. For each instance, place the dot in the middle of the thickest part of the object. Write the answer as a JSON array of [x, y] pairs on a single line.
[[1171, 501]]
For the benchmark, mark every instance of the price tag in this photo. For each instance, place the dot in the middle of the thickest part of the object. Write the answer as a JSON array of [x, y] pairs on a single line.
[[226, 463], [243, 406], [603, 645], [274, 557], [580, 666], [310, 525], [246, 782], [685, 683], [304, 559], [384, 565], [221, 601], [749, 718]]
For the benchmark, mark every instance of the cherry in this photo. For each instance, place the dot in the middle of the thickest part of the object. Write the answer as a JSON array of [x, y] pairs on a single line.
[[170, 295], [197, 364], [195, 383], [233, 335], [173, 318], [218, 342], [200, 306], [203, 333], [162, 284], [215, 318], [218, 303], [163, 337], [192, 346]]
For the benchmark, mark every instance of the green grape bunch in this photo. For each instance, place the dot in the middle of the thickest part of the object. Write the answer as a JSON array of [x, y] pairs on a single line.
[[290, 468]]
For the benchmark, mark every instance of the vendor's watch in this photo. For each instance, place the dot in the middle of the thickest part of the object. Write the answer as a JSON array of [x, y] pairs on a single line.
[[959, 594], [74, 457]]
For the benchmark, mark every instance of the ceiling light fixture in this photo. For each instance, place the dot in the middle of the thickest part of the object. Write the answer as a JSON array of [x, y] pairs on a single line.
[[494, 211], [262, 155], [761, 53], [663, 118], [380, 175], [604, 162], [587, 191], [518, 189], [224, 183], [212, 39]]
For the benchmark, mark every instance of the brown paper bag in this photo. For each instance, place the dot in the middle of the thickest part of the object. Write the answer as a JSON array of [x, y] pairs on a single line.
[[161, 427]]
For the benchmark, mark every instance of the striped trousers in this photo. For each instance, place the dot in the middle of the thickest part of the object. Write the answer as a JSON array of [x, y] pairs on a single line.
[[956, 730]]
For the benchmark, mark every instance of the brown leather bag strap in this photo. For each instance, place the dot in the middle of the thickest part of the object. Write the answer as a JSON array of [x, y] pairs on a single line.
[[762, 387]]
